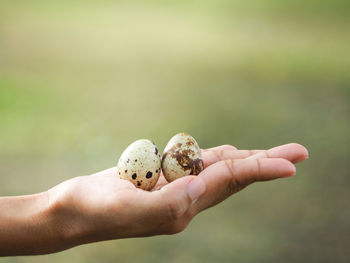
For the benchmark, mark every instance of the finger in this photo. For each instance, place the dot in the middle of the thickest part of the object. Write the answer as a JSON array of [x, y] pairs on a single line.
[[226, 147], [215, 155], [165, 211], [172, 201], [224, 178], [293, 152]]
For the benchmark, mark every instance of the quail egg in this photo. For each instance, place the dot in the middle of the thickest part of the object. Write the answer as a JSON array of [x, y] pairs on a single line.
[[140, 163], [182, 156]]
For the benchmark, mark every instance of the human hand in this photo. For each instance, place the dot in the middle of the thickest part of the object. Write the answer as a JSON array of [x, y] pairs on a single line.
[[102, 207]]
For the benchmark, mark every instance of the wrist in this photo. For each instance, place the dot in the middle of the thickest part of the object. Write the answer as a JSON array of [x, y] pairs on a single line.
[[68, 224]]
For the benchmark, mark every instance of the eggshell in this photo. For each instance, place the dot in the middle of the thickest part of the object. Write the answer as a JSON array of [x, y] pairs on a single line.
[[182, 156], [140, 164]]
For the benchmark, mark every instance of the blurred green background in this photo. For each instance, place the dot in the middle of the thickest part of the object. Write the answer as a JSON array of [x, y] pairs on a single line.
[[80, 80]]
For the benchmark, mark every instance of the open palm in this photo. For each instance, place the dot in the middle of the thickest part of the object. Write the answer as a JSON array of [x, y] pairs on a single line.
[[101, 206]]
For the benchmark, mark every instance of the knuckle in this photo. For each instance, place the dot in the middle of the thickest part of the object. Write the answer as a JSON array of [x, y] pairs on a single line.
[[176, 227], [176, 209], [258, 167], [228, 147], [191, 213], [219, 154], [120, 202], [266, 154], [233, 185]]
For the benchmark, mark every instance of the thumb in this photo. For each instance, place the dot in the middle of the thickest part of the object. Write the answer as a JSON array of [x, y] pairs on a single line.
[[174, 199]]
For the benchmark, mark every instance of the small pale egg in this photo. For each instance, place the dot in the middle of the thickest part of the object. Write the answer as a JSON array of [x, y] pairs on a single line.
[[182, 156], [140, 164]]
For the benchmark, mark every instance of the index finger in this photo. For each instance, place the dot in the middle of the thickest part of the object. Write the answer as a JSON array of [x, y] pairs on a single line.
[[225, 178], [293, 152]]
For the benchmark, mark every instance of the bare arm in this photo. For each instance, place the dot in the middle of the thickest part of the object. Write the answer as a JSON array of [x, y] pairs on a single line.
[[27, 225]]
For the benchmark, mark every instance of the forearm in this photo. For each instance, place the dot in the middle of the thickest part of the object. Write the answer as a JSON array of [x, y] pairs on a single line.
[[28, 226]]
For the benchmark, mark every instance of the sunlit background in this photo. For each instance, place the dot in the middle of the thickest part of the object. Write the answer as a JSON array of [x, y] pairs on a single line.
[[80, 80]]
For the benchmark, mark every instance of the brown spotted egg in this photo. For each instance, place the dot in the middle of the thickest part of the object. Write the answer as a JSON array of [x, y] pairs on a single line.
[[182, 156], [140, 164]]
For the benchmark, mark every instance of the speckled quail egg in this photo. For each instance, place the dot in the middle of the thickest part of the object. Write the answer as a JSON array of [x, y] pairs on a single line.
[[182, 156], [140, 164]]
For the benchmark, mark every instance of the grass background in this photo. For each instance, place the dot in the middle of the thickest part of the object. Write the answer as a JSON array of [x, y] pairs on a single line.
[[80, 80]]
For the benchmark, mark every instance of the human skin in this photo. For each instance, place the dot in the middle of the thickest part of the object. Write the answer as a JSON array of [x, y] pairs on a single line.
[[101, 207]]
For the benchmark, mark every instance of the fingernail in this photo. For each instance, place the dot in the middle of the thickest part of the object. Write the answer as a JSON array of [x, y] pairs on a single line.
[[195, 189]]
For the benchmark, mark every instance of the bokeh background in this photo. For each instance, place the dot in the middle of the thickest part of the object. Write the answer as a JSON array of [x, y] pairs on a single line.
[[80, 80]]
